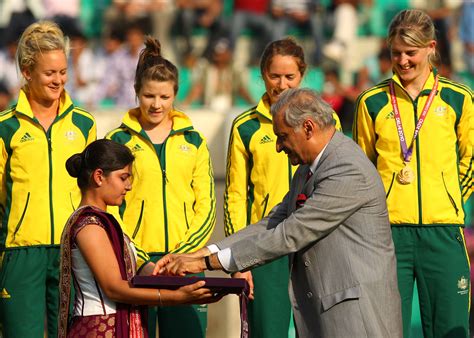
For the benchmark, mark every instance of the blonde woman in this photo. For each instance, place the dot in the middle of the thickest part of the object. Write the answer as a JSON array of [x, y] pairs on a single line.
[[417, 128], [37, 136]]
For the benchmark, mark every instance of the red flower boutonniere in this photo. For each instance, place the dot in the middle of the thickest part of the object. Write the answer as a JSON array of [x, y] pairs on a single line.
[[300, 200]]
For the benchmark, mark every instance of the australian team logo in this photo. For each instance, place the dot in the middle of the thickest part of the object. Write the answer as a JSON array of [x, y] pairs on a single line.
[[184, 148], [463, 286], [440, 111], [70, 135]]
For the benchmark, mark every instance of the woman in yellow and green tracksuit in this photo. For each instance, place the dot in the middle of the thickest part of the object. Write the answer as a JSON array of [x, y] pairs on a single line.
[[426, 190], [257, 179], [171, 207], [37, 135]]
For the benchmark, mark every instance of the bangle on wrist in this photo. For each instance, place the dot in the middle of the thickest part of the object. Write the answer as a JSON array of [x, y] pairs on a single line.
[[208, 263], [160, 303]]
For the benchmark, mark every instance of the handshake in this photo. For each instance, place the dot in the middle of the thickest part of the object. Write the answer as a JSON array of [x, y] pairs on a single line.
[[196, 262], [183, 264]]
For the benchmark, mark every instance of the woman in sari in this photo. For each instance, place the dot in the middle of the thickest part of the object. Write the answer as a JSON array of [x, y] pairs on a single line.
[[100, 259]]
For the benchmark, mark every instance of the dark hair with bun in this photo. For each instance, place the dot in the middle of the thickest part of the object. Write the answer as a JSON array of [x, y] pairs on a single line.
[[152, 66], [101, 154]]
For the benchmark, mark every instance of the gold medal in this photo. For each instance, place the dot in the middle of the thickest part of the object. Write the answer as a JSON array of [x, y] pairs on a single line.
[[406, 175]]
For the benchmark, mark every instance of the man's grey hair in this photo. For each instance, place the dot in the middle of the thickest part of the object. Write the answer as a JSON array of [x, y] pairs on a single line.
[[299, 104]]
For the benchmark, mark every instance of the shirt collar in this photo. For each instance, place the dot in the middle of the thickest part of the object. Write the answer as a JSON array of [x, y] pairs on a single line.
[[313, 165]]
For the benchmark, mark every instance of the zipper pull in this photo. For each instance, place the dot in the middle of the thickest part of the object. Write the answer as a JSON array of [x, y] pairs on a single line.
[[165, 179]]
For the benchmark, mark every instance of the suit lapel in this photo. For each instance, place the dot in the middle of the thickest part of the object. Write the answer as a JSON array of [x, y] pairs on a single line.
[[303, 186], [333, 143], [299, 186], [306, 186]]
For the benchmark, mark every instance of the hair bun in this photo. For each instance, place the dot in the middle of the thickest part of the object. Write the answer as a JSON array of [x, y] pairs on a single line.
[[74, 164], [152, 47]]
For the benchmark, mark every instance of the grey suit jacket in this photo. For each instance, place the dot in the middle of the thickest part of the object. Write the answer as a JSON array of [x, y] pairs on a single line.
[[343, 268]]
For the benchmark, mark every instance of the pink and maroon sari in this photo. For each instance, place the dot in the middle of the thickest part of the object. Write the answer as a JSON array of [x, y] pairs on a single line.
[[129, 320]]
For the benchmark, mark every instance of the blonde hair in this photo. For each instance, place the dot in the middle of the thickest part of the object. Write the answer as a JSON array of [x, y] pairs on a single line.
[[39, 37], [415, 28]]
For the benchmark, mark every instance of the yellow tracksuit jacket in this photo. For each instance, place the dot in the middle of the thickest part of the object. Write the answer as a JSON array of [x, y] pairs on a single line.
[[442, 154], [37, 195], [172, 205]]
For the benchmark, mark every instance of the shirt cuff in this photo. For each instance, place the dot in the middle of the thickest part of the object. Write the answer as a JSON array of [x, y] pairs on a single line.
[[226, 260], [213, 248], [224, 257]]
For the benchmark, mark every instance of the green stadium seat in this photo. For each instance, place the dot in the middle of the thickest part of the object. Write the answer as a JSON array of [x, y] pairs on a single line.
[[256, 86], [185, 83], [313, 79], [465, 77]]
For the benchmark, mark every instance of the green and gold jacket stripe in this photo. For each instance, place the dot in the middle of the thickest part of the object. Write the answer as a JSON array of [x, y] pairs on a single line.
[[442, 155], [257, 176], [37, 194], [172, 204]]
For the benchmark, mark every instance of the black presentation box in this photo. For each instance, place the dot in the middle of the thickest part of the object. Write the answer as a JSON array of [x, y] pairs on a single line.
[[216, 284]]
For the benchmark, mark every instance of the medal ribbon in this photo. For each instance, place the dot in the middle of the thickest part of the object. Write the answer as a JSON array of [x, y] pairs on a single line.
[[407, 151]]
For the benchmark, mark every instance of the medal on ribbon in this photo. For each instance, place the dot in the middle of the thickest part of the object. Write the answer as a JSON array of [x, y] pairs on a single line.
[[407, 175]]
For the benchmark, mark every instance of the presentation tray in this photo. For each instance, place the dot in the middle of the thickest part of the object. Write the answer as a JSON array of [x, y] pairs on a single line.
[[216, 284]]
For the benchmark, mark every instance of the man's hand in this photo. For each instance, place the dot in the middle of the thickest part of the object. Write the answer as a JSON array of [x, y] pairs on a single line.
[[203, 252], [179, 265], [160, 267], [247, 275]]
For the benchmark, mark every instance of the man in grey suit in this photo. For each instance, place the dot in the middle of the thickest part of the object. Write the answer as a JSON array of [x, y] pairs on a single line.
[[333, 223]]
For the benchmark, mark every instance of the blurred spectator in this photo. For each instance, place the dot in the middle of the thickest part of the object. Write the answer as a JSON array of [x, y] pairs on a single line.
[[5, 97], [83, 72], [466, 34], [218, 84], [340, 97], [300, 14], [376, 69], [192, 14], [441, 12], [118, 78], [16, 15], [9, 73], [344, 36], [385, 65], [332, 92], [342, 46], [140, 12], [251, 15], [113, 41], [65, 13], [163, 16]]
